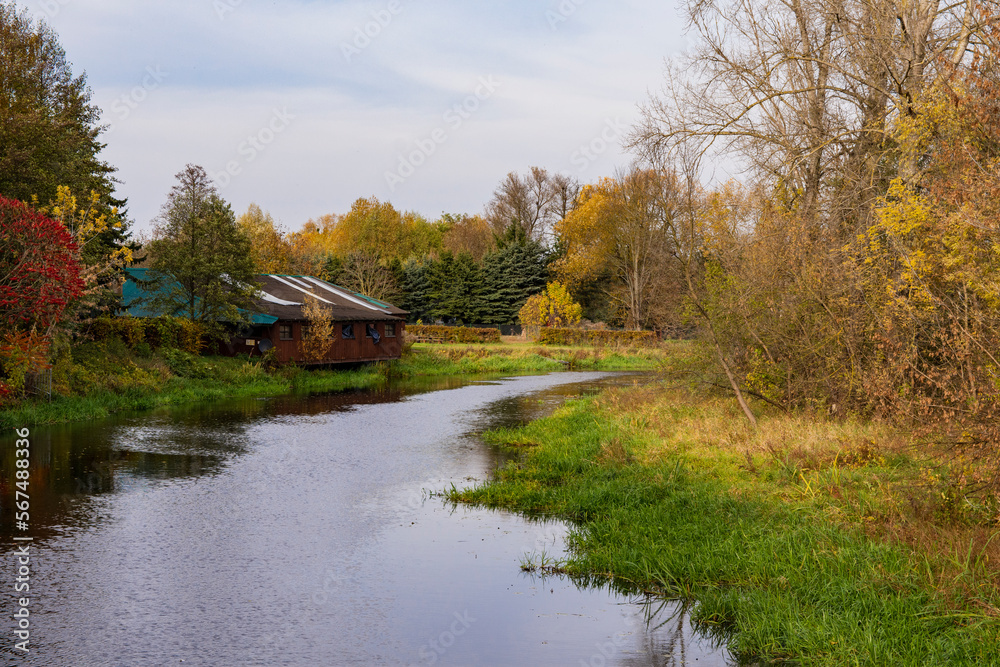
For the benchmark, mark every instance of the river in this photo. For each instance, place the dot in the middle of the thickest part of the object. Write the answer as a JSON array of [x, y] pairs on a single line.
[[310, 531]]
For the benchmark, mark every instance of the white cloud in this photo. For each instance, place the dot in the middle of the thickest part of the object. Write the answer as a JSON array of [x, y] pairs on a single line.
[[220, 81]]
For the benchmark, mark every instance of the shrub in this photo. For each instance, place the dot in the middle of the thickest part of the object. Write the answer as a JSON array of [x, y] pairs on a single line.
[[39, 269], [454, 334], [22, 353], [558, 336], [6, 393], [552, 308], [155, 332], [182, 363]]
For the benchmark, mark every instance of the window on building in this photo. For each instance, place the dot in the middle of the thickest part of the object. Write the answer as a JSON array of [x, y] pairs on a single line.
[[285, 332], [390, 329], [347, 331], [371, 331]]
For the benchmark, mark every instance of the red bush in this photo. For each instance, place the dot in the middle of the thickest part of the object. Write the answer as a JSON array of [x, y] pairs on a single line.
[[6, 392], [39, 269]]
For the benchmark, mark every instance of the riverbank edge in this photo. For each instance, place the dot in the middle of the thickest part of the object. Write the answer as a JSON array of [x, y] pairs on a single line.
[[792, 574], [206, 379]]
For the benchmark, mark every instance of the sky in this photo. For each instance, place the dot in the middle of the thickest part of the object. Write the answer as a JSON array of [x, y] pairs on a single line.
[[303, 106]]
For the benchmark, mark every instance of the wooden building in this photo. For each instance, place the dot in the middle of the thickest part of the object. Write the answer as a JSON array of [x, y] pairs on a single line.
[[365, 329]]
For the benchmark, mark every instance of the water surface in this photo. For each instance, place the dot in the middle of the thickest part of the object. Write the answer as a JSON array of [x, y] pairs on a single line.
[[311, 531]]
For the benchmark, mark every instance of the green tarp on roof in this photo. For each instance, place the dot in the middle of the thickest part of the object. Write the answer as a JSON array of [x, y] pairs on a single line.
[[132, 292]]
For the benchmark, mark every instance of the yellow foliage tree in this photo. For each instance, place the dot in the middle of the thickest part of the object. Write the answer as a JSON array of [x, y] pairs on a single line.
[[371, 228], [315, 346], [101, 270], [552, 308], [586, 235], [625, 226], [272, 252]]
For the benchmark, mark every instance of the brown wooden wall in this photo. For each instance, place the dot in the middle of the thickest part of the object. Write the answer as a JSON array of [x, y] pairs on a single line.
[[361, 348]]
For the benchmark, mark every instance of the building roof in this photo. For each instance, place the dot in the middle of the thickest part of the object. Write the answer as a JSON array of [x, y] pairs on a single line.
[[283, 297]]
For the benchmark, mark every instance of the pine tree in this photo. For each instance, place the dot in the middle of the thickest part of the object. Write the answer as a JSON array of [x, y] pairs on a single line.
[[415, 287], [442, 289], [468, 289], [511, 274]]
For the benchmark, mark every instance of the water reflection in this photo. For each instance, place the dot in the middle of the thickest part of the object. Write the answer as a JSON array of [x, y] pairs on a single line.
[[128, 452], [309, 531]]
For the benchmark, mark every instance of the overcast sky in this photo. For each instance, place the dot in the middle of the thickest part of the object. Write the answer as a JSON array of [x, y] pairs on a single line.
[[302, 106]]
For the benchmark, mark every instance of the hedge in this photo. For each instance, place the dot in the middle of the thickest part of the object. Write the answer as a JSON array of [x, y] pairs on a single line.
[[453, 334], [558, 336], [156, 332]]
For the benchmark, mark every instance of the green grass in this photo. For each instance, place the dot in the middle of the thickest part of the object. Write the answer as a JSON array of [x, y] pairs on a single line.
[[175, 390], [101, 379], [756, 545], [486, 358]]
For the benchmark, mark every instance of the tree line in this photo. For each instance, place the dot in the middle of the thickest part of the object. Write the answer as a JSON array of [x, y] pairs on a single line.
[[459, 269], [851, 268]]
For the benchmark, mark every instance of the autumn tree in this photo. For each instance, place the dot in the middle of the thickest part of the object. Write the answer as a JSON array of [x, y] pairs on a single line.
[[928, 268], [50, 153], [202, 260], [39, 281], [49, 129], [466, 233], [365, 273], [308, 247], [373, 227], [552, 308], [272, 252], [565, 191], [802, 92], [362, 247], [315, 344], [102, 249], [823, 106], [624, 225], [40, 272]]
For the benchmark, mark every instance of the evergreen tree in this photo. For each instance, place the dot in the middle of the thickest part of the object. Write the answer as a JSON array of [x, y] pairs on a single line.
[[202, 260], [444, 295], [469, 288], [457, 290], [415, 290], [515, 271]]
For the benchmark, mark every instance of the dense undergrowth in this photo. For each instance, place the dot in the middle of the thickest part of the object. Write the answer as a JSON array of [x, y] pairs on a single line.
[[823, 542], [92, 380]]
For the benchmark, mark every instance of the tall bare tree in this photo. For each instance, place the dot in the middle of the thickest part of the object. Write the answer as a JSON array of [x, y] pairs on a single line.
[[365, 273], [802, 90], [533, 201]]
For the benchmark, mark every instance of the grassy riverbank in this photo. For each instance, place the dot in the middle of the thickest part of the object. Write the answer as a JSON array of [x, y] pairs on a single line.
[[98, 379], [487, 358], [827, 543]]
